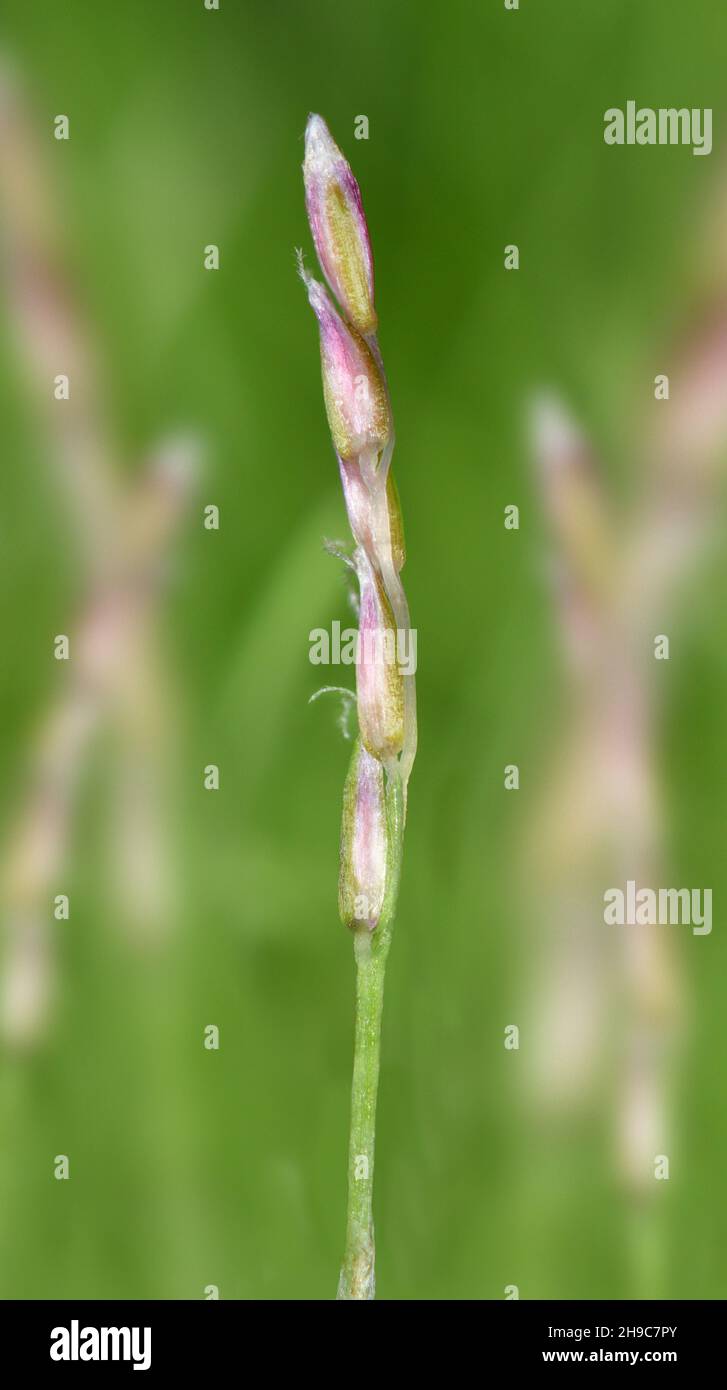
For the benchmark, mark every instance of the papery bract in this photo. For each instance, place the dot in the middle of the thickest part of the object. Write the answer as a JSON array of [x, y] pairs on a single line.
[[379, 682], [356, 398], [362, 877], [338, 225]]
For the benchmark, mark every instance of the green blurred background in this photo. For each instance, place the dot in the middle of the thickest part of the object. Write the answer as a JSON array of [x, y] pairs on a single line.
[[192, 1167]]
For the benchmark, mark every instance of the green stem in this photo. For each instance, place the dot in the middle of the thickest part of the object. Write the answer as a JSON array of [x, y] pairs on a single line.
[[357, 1280]]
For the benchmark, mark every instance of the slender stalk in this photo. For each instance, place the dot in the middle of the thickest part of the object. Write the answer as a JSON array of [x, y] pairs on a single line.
[[357, 1279], [357, 1272]]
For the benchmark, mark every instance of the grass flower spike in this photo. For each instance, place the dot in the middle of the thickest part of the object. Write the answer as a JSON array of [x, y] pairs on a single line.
[[374, 805]]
